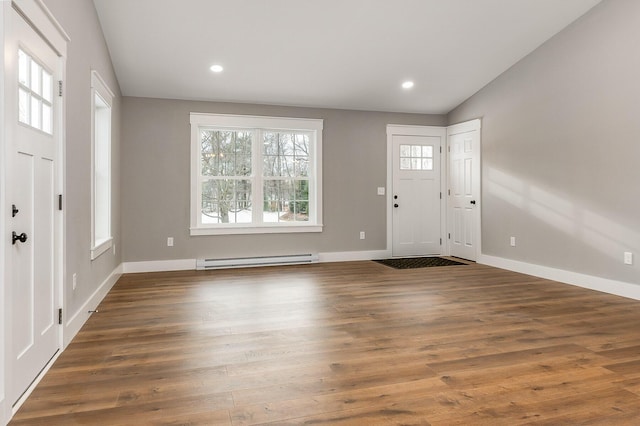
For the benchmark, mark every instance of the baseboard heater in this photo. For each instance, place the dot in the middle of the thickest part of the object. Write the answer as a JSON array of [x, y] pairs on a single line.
[[245, 262]]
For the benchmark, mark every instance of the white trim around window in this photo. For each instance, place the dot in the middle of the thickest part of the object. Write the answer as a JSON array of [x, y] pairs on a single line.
[[255, 174], [101, 105]]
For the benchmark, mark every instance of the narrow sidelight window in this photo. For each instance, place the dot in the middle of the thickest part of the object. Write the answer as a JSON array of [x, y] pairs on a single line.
[[101, 101]]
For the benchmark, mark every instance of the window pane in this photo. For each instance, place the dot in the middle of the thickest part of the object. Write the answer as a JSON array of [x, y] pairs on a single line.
[[225, 153], [285, 154], [279, 166], [405, 164], [405, 151], [301, 145], [273, 205], [46, 118], [416, 151], [427, 151], [47, 89], [23, 68], [286, 144], [23, 106], [427, 164], [300, 205], [226, 201], [302, 166], [35, 113], [36, 73], [285, 201]]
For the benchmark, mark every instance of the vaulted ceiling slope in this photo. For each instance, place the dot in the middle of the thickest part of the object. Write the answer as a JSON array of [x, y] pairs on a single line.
[[349, 54]]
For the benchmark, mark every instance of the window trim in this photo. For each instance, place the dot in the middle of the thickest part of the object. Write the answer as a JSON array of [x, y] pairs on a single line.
[[100, 88], [230, 121]]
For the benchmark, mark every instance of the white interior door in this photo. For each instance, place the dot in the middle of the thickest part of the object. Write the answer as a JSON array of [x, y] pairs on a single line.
[[32, 127], [416, 198], [464, 190]]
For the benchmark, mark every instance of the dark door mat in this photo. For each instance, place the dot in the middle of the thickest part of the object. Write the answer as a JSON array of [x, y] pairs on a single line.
[[418, 262]]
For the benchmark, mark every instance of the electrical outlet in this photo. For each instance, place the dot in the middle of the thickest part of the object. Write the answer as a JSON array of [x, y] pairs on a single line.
[[628, 258], [362, 235], [512, 242], [74, 280], [169, 241], [381, 190]]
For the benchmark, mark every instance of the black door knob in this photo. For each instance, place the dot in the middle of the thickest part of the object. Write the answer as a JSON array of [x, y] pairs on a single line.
[[22, 237], [472, 201], [395, 205]]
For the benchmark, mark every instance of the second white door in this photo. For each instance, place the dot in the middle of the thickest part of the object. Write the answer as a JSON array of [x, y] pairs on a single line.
[[416, 193], [464, 190]]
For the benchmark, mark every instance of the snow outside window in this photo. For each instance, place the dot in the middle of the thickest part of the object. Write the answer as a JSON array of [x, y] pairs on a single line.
[[255, 174]]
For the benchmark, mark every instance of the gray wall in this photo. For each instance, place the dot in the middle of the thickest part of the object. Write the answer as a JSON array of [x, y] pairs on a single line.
[[560, 148], [156, 181], [86, 51]]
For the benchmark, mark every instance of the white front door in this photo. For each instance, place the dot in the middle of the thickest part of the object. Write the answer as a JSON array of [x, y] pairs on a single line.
[[464, 189], [416, 193], [32, 131]]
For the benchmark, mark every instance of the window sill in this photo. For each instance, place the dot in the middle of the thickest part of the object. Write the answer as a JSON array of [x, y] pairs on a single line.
[[101, 247], [240, 230]]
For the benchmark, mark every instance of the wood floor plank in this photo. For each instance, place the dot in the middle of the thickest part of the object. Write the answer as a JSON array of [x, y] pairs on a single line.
[[347, 344]]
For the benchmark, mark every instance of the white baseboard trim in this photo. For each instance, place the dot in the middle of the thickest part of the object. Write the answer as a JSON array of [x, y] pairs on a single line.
[[350, 256], [619, 288], [75, 322], [159, 266]]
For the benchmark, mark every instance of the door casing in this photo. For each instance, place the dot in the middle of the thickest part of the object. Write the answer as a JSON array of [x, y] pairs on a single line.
[[395, 129]]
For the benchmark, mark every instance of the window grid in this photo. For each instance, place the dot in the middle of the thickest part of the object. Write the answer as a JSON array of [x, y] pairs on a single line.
[[277, 191], [35, 94], [228, 173], [416, 157]]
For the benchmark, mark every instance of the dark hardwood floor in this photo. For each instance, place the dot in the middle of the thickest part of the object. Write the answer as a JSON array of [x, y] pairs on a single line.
[[350, 343]]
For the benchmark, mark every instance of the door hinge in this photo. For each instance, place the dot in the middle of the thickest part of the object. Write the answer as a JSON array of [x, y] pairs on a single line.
[[59, 201], [448, 192], [449, 235], [441, 195], [440, 150], [60, 88], [440, 241], [60, 316]]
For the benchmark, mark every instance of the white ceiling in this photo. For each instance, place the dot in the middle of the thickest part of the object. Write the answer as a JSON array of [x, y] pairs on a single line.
[[350, 54]]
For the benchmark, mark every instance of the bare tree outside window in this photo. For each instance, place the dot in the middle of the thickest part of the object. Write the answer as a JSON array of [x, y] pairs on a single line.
[[255, 174], [226, 172], [286, 177]]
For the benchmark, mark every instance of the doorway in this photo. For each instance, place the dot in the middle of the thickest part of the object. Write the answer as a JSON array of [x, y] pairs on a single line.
[[433, 176], [416, 207], [32, 141]]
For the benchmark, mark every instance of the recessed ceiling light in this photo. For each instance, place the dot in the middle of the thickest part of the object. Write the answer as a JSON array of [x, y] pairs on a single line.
[[407, 85], [216, 68]]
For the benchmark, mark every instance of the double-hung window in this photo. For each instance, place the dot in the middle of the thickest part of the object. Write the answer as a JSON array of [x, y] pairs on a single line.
[[255, 174]]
